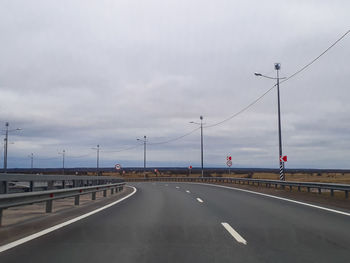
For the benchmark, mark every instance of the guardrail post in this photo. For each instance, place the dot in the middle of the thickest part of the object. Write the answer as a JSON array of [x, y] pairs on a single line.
[[50, 185], [48, 206], [1, 212], [63, 184], [332, 192], [346, 194], [3, 187], [112, 191], [77, 200], [31, 186], [290, 188], [319, 190], [308, 189], [104, 193], [299, 188], [93, 196]]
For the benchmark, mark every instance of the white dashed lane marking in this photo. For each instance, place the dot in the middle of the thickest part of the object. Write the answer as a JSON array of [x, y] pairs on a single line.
[[234, 233]]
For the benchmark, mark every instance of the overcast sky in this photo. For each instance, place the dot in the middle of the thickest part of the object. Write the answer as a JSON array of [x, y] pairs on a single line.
[[77, 73]]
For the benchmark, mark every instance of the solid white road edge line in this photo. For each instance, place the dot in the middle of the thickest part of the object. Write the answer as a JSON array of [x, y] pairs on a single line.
[[280, 198], [188, 192], [199, 200], [234, 233], [53, 228]]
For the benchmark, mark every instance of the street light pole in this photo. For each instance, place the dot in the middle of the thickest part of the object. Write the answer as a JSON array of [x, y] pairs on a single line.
[[31, 160], [201, 117], [144, 154], [282, 177], [63, 157], [6, 144], [201, 124], [98, 159], [277, 68]]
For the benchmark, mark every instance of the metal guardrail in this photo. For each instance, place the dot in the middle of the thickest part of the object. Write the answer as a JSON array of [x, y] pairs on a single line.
[[19, 199], [29, 183], [267, 183]]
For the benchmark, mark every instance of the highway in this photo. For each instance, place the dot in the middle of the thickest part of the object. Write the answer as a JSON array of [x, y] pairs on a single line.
[[183, 222]]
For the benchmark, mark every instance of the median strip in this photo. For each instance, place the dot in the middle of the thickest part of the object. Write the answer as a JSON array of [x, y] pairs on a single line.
[[234, 233]]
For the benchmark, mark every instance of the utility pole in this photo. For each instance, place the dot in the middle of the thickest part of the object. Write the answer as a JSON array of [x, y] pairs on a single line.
[[201, 127], [5, 146], [31, 161], [277, 68], [282, 177], [201, 118], [144, 154], [98, 159], [63, 157]]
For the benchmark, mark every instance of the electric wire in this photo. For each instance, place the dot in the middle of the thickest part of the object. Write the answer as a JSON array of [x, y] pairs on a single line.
[[282, 81]]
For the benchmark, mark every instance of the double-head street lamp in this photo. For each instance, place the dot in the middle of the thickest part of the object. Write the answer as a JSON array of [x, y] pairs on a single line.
[[144, 154], [6, 143], [201, 124], [277, 68]]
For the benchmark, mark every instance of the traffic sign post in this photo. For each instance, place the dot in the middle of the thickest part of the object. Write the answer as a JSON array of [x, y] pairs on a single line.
[[229, 163], [189, 170]]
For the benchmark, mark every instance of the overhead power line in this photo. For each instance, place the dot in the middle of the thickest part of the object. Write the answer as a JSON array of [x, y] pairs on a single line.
[[250, 104], [174, 139], [233, 115], [270, 89]]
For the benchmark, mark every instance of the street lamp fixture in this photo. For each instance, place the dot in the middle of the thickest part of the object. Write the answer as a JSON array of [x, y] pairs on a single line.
[[277, 68]]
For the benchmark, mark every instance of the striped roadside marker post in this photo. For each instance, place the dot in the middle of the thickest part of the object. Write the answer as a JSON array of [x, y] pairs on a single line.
[[283, 159]]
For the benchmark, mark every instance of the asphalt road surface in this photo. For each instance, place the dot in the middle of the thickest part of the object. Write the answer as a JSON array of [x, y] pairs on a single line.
[[182, 222]]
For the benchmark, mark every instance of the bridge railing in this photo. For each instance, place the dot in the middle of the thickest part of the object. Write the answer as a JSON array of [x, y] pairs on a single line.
[[331, 187]]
